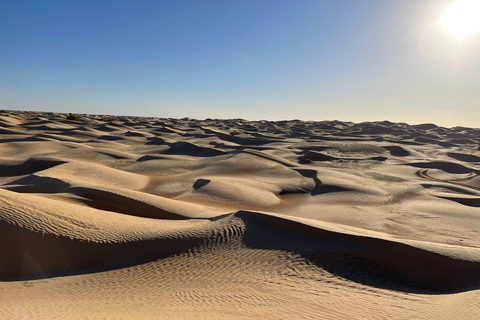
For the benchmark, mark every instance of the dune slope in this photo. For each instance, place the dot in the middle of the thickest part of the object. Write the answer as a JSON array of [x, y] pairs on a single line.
[[132, 217]]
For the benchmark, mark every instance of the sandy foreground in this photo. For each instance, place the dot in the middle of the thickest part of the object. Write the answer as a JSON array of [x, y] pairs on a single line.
[[130, 217]]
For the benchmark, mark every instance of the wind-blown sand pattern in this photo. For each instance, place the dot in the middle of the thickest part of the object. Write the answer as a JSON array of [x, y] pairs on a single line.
[[180, 218]]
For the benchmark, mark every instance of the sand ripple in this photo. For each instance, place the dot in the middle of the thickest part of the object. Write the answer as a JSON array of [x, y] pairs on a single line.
[[238, 218]]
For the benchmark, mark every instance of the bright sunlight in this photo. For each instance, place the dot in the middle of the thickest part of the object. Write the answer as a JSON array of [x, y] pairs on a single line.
[[462, 18]]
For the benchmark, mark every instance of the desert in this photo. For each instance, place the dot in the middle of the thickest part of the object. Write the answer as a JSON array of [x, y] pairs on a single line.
[[164, 218], [226, 159]]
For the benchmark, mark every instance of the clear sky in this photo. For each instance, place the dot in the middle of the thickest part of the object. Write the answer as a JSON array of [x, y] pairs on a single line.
[[312, 60]]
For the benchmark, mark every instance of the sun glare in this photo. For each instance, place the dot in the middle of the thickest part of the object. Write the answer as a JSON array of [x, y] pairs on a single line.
[[462, 18]]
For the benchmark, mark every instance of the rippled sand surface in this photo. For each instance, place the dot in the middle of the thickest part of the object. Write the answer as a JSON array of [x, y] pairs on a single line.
[[129, 217]]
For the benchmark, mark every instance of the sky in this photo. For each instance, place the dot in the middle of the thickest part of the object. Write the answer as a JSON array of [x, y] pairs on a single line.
[[355, 60]]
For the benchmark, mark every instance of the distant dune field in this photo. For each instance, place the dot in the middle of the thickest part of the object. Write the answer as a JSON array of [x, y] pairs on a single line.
[[129, 217]]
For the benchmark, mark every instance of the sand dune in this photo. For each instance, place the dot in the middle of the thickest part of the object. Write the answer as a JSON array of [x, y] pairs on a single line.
[[132, 217]]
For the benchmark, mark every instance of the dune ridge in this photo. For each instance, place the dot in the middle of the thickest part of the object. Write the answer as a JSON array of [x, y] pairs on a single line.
[[207, 218]]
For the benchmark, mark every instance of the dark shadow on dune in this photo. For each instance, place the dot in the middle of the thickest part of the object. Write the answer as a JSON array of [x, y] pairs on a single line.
[[106, 127], [201, 183], [26, 139], [28, 167], [315, 156], [134, 134], [462, 141], [449, 167], [113, 155], [110, 138], [149, 157], [164, 130], [246, 141], [403, 141], [27, 255], [320, 188], [110, 201], [470, 202], [397, 151], [310, 156], [36, 184], [190, 149], [156, 141], [370, 261], [450, 188], [464, 157]]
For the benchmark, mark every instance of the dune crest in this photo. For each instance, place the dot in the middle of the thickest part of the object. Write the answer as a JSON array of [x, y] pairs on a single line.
[[232, 218]]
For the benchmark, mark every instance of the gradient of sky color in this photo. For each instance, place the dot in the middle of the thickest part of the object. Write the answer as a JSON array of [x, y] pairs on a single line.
[[312, 60]]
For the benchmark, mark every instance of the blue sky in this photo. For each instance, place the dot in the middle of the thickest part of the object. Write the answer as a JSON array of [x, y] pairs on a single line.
[[312, 60]]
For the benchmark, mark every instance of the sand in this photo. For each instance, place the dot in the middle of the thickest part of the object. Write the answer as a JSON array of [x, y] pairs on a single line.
[[149, 218]]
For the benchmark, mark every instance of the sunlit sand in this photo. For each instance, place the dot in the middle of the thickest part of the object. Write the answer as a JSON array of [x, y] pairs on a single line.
[[155, 218]]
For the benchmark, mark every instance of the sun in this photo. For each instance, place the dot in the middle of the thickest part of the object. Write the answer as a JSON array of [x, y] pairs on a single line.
[[462, 18]]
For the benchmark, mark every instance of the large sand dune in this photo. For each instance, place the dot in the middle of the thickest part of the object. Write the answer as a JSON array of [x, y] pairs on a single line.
[[180, 218]]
